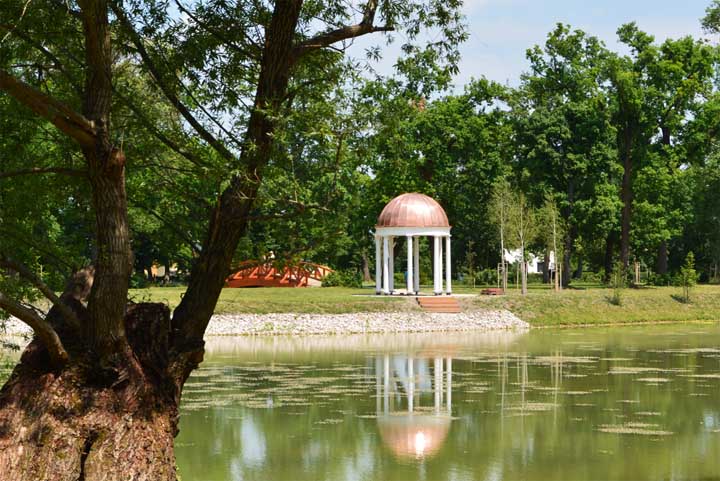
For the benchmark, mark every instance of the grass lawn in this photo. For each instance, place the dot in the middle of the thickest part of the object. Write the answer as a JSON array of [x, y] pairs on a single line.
[[541, 307], [591, 305], [328, 300]]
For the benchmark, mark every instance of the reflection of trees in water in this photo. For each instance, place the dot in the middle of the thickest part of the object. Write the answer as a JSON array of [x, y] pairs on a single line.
[[517, 414]]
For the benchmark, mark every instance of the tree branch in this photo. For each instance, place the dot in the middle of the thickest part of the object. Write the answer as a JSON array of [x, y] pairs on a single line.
[[24, 272], [326, 39], [63, 117], [40, 326], [166, 88], [162, 137], [255, 52], [44, 170], [47, 53]]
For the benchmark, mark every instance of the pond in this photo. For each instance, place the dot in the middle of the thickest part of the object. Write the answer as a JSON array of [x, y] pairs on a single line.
[[625, 403]]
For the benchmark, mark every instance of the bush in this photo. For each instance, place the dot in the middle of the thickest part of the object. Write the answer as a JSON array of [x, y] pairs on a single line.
[[590, 278], [660, 280], [535, 278], [486, 277], [343, 278], [138, 281]]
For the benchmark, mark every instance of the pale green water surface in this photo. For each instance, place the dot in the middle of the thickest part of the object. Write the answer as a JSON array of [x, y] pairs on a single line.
[[631, 403]]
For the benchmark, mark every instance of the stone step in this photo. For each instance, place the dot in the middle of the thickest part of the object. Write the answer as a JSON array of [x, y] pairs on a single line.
[[439, 304]]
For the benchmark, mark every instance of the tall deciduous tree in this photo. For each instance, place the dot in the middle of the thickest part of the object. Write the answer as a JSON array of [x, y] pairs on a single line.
[[563, 133], [654, 91]]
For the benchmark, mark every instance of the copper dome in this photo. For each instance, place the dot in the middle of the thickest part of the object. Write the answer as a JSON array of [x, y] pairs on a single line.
[[413, 210]]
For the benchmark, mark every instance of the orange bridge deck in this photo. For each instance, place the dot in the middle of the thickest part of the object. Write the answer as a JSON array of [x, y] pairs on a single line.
[[259, 274]]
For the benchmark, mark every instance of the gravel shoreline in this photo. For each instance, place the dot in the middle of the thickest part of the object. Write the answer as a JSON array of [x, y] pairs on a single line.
[[355, 323]]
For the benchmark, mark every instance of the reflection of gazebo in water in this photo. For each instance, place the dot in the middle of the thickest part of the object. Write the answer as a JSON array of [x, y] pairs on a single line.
[[411, 429], [412, 216]]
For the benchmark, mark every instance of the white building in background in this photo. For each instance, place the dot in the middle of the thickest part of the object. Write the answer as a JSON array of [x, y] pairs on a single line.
[[535, 263]]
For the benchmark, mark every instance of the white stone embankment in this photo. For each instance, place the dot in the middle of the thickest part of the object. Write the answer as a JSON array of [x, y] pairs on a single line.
[[360, 323], [355, 323]]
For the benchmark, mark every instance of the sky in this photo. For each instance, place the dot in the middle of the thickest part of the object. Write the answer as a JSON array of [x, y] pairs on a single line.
[[502, 30]]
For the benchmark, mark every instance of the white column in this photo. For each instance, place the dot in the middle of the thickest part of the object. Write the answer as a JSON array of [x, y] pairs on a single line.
[[448, 399], [448, 273], [437, 385], [386, 265], [441, 264], [416, 268], [411, 384], [378, 384], [391, 264], [437, 266], [410, 262], [386, 384], [378, 265]]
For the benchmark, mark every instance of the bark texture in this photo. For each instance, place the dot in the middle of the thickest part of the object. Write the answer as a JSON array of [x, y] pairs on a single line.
[[85, 423]]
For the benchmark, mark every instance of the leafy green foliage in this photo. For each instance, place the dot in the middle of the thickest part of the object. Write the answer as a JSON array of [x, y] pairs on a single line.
[[343, 278]]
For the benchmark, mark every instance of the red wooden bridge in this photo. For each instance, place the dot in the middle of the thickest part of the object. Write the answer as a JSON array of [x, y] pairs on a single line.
[[264, 274]]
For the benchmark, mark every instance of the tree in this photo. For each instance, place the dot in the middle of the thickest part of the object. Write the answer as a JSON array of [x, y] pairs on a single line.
[[563, 134], [702, 232], [499, 211], [104, 380], [655, 91], [679, 77], [688, 276], [523, 228], [469, 269], [554, 231]]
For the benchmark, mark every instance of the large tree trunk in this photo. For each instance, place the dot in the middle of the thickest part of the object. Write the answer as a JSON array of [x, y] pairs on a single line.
[[579, 269], [608, 261], [366, 267], [84, 422], [661, 266], [570, 234], [229, 218], [106, 168], [626, 195]]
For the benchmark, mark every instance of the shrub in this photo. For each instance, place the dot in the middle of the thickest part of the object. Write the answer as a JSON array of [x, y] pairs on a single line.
[[535, 278], [343, 278], [138, 281], [659, 280], [590, 278]]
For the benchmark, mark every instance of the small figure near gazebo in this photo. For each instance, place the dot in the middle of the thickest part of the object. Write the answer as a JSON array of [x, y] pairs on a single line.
[[412, 216]]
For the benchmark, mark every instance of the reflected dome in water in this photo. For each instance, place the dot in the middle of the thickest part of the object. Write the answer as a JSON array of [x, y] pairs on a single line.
[[414, 435]]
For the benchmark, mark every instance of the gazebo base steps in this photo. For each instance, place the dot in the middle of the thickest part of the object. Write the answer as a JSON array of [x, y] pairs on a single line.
[[439, 304]]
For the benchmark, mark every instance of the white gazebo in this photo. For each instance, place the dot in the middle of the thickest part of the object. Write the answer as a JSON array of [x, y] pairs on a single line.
[[412, 216]]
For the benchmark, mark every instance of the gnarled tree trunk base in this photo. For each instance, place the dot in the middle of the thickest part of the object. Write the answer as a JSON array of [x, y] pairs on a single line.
[[89, 423]]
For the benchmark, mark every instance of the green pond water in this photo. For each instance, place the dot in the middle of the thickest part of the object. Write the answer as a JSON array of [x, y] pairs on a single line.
[[640, 403]]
